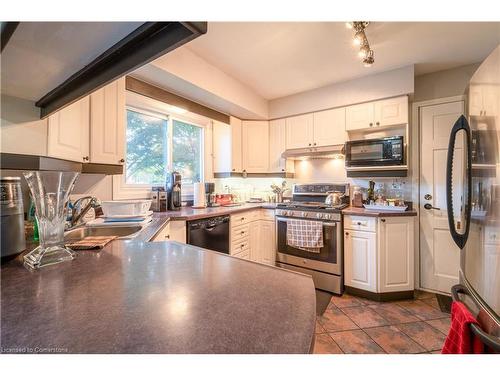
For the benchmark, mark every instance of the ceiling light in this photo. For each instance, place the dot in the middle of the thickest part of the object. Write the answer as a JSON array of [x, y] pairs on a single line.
[[365, 52], [369, 60]]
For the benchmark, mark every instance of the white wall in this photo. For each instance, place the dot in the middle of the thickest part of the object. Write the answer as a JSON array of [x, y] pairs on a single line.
[[382, 85], [186, 74]]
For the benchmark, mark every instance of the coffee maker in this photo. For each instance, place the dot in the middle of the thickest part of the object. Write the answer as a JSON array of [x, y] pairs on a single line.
[[173, 190], [210, 194]]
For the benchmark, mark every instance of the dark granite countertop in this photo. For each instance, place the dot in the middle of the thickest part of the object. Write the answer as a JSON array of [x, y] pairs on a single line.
[[164, 297], [365, 212], [190, 213]]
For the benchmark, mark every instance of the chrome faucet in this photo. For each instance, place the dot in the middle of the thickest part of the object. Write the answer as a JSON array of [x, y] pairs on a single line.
[[75, 217]]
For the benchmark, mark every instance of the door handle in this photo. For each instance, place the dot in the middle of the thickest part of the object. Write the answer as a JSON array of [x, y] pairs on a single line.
[[429, 206]]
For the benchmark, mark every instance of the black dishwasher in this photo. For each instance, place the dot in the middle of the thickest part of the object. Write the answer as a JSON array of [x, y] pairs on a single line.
[[211, 233]]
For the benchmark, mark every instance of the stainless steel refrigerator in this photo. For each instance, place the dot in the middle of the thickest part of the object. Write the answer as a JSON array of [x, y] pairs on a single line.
[[474, 181]]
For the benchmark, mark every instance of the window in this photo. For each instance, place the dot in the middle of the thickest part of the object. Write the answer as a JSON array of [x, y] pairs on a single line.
[[157, 143]]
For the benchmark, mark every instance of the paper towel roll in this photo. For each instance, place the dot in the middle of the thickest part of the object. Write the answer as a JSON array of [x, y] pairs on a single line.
[[199, 195]]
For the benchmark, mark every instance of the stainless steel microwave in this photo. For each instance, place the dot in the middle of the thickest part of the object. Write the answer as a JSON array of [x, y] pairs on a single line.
[[378, 152]]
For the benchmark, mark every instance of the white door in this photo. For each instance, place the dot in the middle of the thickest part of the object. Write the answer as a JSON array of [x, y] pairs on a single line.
[[255, 150], [439, 256], [359, 116], [360, 253], [68, 136], [277, 135], [299, 131], [392, 111], [107, 124], [329, 127]]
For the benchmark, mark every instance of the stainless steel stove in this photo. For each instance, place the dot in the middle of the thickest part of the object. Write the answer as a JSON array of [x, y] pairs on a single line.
[[326, 266]]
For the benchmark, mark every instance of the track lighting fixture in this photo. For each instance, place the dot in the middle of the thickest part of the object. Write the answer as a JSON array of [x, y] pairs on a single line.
[[365, 53]]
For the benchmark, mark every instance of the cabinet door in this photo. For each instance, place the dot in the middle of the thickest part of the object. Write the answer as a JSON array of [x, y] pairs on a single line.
[[221, 147], [396, 254], [236, 162], [277, 144], [329, 127], [392, 111], [359, 116], [68, 135], [360, 250], [255, 146], [299, 131], [475, 100], [267, 242], [163, 234], [107, 124], [254, 235], [490, 100]]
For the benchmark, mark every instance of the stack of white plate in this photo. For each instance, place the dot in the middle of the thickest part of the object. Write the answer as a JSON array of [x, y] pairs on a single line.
[[130, 212]]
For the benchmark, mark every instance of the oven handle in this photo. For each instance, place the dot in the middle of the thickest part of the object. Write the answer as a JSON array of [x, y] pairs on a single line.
[[325, 223]]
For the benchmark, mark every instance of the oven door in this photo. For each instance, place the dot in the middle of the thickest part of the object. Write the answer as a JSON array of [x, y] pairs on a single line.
[[329, 259]]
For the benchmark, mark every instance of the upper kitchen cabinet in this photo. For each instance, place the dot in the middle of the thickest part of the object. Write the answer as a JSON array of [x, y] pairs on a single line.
[[107, 124], [299, 131], [68, 132], [255, 146], [329, 127], [227, 146], [277, 144], [387, 112], [236, 154], [483, 101]]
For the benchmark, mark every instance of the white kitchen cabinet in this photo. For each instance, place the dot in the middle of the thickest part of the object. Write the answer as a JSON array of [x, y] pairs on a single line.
[[299, 131], [107, 124], [68, 132], [387, 112], [395, 254], [360, 254], [236, 155], [254, 241], [172, 231], [483, 100], [267, 242], [359, 116], [255, 146], [329, 127], [277, 144], [379, 253], [393, 111], [227, 146]]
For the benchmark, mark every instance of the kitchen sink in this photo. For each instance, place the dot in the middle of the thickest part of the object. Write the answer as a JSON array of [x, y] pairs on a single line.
[[82, 232]]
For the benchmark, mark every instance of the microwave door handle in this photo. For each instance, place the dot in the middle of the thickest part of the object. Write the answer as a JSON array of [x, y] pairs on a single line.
[[459, 238]]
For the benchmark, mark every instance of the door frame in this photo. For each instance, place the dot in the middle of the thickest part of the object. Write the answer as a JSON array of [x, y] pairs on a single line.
[[416, 130]]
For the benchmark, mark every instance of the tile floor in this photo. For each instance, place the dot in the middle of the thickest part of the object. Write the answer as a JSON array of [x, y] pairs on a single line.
[[355, 325]]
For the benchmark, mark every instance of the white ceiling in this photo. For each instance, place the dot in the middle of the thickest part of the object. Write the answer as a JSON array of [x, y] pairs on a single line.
[[42, 55], [277, 59]]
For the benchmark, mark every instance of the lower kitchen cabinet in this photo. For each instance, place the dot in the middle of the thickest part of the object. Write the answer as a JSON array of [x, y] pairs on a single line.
[[173, 231], [379, 253], [253, 236]]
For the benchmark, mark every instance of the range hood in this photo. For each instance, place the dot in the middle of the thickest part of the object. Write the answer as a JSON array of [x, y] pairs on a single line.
[[322, 152]]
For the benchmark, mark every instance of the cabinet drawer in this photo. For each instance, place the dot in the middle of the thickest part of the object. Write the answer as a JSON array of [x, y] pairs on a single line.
[[368, 224], [239, 246], [244, 217], [243, 255], [239, 232]]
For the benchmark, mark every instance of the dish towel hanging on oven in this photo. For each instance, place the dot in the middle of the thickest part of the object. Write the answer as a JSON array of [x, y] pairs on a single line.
[[305, 235]]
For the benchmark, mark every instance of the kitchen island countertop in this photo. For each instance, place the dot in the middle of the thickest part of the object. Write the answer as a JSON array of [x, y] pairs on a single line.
[[163, 297]]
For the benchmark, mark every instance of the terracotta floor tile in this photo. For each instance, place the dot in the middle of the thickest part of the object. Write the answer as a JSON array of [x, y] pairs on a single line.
[[424, 334], [334, 320], [432, 302], [420, 294], [345, 300], [364, 316], [394, 313], [393, 341], [442, 325], [324, 344], [319, 328], [356, 342], [422, 310]]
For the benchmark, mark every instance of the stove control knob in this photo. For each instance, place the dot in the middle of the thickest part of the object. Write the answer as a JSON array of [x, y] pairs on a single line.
[[328, 216], [319, 216], [291, 213], [304, 214]]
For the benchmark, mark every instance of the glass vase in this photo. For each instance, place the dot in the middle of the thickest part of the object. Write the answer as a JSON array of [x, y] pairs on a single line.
[[50, 192]]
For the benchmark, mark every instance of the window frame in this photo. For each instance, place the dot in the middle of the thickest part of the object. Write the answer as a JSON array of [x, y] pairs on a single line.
[[122, 189]]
